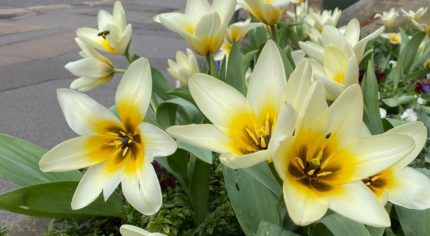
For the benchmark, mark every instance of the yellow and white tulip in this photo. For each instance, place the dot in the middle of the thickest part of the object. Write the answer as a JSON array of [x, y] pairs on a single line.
[[268, 12], [116, 150], [185, 66], [394, 38], [349, 37], [415, 15], [323, 159], [203, 26], [317, 20], [93, 70], [113, 34], [400, 184], [423, 23], [235, 33], [242, 127], [388, 17], [131, 230]]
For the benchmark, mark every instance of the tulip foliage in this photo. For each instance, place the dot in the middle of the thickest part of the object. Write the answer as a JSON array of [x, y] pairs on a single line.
[[285, 105]]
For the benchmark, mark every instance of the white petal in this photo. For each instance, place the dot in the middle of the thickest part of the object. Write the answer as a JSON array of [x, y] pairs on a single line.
[[119, 15], [90, 36], [411, 189], [280, 157], [298, 84], [358, 203], [225, 9], [112, 182], [156, 141], [142, 190], [267, 86], [133, 94], [313, 50], [418, 132], [346, 114], [361, 45], [195, 9], [104, 19], [124, 41], [244, 161], [83, 114], [376, 153], [84, 84], [90, 187], [89, 67], [332, 36], [303, 208], [130, 230], [285, 126], [315, 114], [352, 72], [178, 23], [69, 155], [203, 135], [209, 35], [352, 33], [218, 101]]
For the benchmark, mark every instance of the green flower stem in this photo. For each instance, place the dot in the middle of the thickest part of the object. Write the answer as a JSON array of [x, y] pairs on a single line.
[[118, 70], [211, 66], [274, 33]]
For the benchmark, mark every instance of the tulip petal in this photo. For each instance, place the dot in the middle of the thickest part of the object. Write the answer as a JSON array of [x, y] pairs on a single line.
[[104, 18], [133, 94], [178, 23], [298, 84], [313, 50], [225, 10], [352, 32], [118, 15], [315, 115], [352, 72], [203, 135], [83, 114], [244, 161], [90, 36], [302, 207], [280, 157], [84, 84], [267, 87], [332, 36], [142, 190], [73, 154], [89, 67], [209, 35], [156, 141], [346, 114], [358, 203], [376, 153], [219, 102], [285, 126], [131, 230], [196, 9], [361, 45], [90, 186], [418, 132], [411, 189]]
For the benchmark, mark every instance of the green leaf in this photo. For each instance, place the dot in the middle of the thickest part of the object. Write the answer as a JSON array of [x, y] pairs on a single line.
[[177, 165], [376, 231], [235, 72], [252, 202], [177, 109], [264, 175], [53, 200], [20, 163], [199, 176], [414, 222], [200, 153], [288, 65], [369, 86], [267, 229], [397, 101], [340, 226], [182, 93], [159, 84]]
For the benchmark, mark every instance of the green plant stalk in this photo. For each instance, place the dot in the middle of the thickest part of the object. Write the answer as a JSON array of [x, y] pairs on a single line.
[[274, 33], [211, 66]]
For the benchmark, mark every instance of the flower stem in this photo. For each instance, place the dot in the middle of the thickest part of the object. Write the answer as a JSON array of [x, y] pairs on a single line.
[[211, 66], [273, 33], [118, 70]]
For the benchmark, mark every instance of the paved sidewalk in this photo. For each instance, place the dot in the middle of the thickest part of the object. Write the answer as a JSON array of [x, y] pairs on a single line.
[[36, 41]]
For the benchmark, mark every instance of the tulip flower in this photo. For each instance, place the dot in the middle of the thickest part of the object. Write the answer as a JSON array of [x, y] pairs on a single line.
[[394, 38], [94, 69], [242, 127], [131, 230], [202, 26], [349, 38], [415, 15], [317, 20], [323, 159], [113, 34], [267, 12], [423, 23], [400, 184], [235, 33], [185, 66], [116, 150], [388, 17]]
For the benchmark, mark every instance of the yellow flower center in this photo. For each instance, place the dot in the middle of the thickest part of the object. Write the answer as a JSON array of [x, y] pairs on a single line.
[[316, 165], [427, 64], [378, 183], [339, 77], [105, 42], [394, 38]]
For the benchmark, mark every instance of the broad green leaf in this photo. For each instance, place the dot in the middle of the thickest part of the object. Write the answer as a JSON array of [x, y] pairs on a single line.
[[268, 229], [264, 175], [159, 84], [53, 200], [20, 163], [177, 165], [397, 101], [252, 202], [182, 93], [177, 109], [199, 178], [288, 65], [235, 72], [414, 222], [258, 37], [395, 122], [376, 231], [369, 86], [340, 226], [200, 153]]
